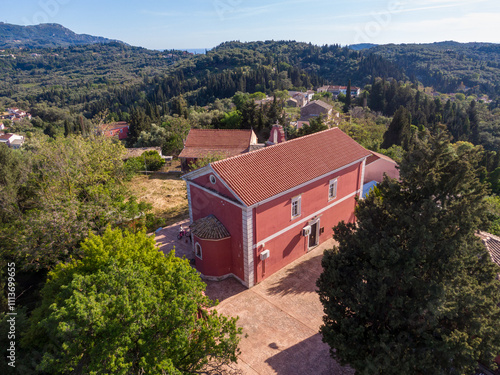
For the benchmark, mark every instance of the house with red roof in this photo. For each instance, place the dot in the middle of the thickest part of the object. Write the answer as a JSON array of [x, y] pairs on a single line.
[[116, 129], [12, 140], [201, 143], [252, 214]]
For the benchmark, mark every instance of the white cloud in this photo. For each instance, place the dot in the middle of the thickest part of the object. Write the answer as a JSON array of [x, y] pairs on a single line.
[[469, 27]]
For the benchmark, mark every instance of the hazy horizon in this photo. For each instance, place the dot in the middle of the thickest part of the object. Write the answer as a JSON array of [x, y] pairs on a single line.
[[203, 25]]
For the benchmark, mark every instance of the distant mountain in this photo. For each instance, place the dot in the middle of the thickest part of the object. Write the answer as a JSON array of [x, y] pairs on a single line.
[[45, 35], [361, 46]]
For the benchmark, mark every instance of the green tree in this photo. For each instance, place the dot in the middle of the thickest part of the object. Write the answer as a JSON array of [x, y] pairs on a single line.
[[74, 186], [316, 124], [231, 120], [156, 137], [399, 131], [139, 122], [410, 289], [153, 160], [127, 308], [348, 96]]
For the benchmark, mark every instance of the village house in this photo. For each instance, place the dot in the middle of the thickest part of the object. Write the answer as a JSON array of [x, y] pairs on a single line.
[[12, 140], [291, 102], [115, 129], [302, 98], [254, 213], [336, 90], [317, 108], [377, 165], [15, 114], [201, 143]]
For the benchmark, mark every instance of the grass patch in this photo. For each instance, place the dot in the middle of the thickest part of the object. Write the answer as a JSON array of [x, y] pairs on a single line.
[[167, 194]]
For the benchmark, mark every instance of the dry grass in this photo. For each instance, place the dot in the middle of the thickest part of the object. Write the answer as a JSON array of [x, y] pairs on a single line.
[[167, 194]]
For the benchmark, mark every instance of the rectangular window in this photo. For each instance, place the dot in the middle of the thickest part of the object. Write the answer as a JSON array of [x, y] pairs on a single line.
[[332, 190], [295, 207]]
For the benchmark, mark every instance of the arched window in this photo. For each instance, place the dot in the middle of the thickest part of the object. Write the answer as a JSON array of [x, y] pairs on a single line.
[[198, 251]]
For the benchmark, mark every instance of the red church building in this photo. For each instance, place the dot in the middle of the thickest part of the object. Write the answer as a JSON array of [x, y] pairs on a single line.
[[254, 213]]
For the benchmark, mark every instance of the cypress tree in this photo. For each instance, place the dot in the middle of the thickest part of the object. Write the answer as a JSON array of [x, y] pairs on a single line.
[[399, 131], [410, 289], [347, 105]]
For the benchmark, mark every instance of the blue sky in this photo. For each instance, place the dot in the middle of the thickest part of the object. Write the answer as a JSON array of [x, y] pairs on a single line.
[[165, 24]]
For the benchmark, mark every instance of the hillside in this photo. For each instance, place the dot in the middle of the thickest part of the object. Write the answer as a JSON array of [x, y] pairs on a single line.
[[44, 35], [448, 66]]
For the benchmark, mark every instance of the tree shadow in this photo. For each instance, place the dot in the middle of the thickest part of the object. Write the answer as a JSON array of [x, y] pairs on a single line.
[[299, 279], [224, 289], [308, 357]]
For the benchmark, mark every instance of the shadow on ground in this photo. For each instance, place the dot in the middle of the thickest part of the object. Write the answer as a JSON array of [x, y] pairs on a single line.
[[299, 279], [314, 359], [221, 290]]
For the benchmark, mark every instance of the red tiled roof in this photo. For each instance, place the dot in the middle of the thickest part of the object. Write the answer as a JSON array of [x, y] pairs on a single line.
[[6, 136], [229, 142], [209, 228], [320, 103], [262, 174], [376, 156], [114, 126], [492, 243]]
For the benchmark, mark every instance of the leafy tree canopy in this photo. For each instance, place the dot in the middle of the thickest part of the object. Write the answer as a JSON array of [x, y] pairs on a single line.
[[127, 308]]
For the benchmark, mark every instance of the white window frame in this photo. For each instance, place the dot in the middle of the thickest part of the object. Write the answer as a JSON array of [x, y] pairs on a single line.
[[333, 183], [196, 252], [296, 201]]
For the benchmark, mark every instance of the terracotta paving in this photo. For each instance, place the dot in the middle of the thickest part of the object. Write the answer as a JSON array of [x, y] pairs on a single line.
[[166, 240], [281, 317]]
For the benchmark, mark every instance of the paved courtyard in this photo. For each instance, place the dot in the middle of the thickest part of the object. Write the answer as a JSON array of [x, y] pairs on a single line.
[[281, 317], [166, 239]]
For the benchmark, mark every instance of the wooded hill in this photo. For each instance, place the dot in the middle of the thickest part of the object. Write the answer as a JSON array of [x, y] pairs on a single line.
[[44, 35], [448, 66]]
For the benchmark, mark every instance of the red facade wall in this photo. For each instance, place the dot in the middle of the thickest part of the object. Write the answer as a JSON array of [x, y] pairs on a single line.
[[216, 257], [218, 186], [274, 216], [123, 134], [204, 204]]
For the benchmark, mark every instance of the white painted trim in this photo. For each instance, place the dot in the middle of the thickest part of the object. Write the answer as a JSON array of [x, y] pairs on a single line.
[[362, 178], [248, 256], [227, 186], [306, 219], [201, 251], [214, 193], [311, 223], [297, 199], [335, 181], [306, 183], [188, 187], [196, 173]]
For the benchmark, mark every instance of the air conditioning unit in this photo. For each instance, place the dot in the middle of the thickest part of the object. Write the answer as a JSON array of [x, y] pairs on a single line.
[[264, 255], [306, 231]]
